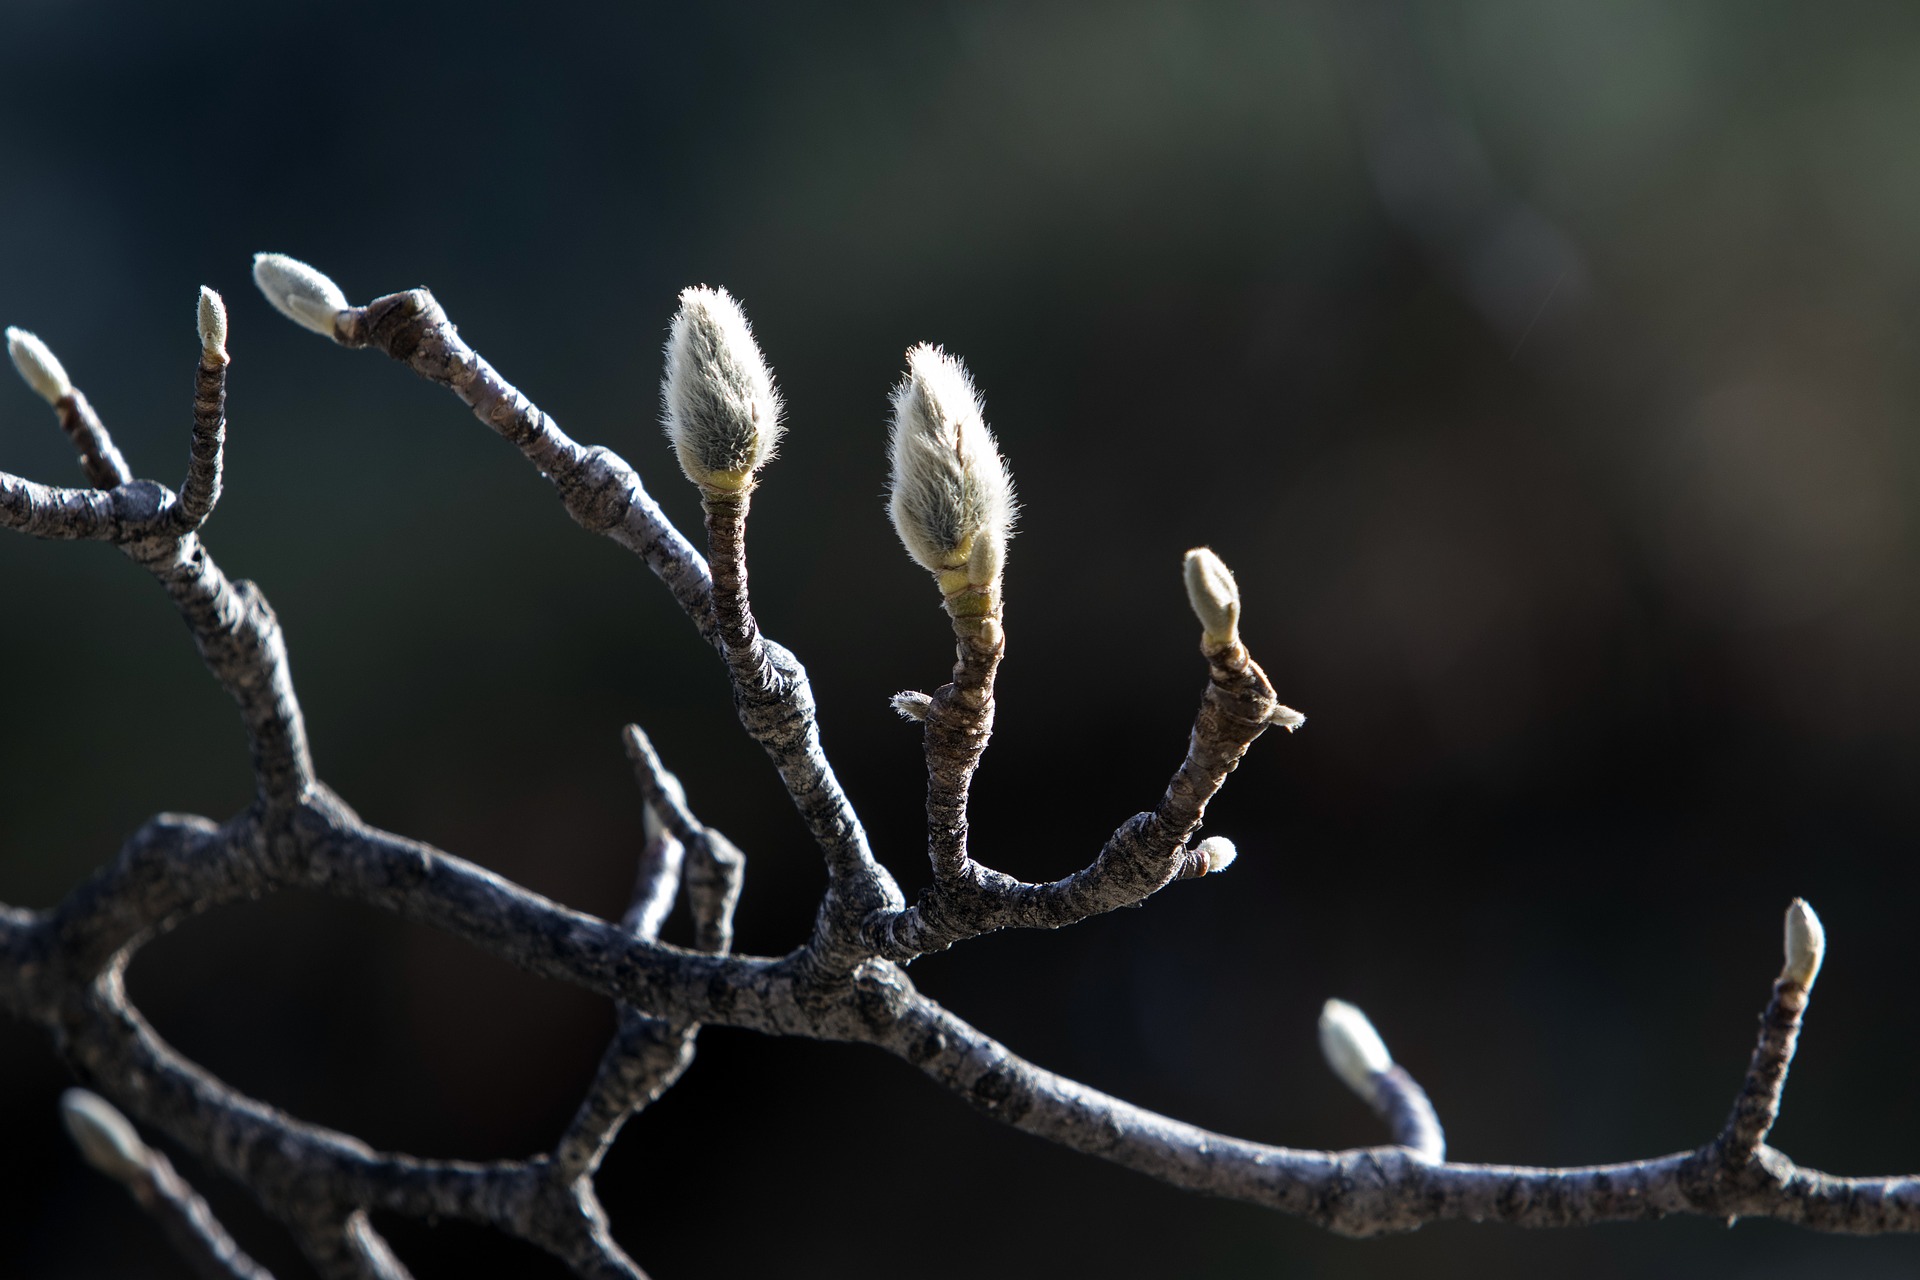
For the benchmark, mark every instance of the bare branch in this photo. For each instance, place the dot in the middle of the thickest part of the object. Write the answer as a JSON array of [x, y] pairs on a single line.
[[604, 495], [347, 1248], [1359, 1057], [237, 634], [65, 968], [1147, 852], [49, 511], [201, 489], [108, 1141], [716, 869], [648, 1054], [99, 459]]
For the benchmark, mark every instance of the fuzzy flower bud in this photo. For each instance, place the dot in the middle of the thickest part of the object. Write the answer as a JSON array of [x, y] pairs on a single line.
[[1806, 944], [1215, 597], [38, 366], [911, 704], [950, 496], [1218, 851], [1352, 1047], [298, 292], [213, 326], [718, 402], [106, 1138]]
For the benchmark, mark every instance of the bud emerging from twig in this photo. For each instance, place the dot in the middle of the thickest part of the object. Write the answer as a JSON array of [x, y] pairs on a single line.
[[38, 366], [950, 496], [720, 408], [213, 327], [1806, 944], [1352, 1047], [106, 1138], [1215, 597], [298, 292], [1218, 851], [911, 704]]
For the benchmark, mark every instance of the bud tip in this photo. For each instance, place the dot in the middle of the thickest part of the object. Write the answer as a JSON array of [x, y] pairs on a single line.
[[1214, 595], [1218, 851], [106, 1138], [1286, 717], [297, 291], [949, 494], [1806, 944], [38, 366], [213, 325], [910, 704], [717, 397], [1352, 1047]]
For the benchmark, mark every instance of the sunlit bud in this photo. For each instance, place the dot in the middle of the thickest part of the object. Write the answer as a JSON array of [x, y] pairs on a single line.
[[912, 705], [1352, 1047], [1215, 596], [38, 366], [298, 292], [1286, 717], [718, 401], [105, 1137], [213, 326], [1806, 944], [950, 496], [1218, 851]]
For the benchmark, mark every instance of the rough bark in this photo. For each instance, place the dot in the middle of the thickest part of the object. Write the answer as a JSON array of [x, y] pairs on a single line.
[[63, 968]]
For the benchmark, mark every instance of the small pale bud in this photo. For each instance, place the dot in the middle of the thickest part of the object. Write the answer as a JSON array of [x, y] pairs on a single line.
[[1352, 1047], [1214, 595], [1806, 944], [910, 704], [213, 326], [298, 292], [1286, 717], [1218, 851], [106, 1138], [38, 366], [719, 406], [949, 494]]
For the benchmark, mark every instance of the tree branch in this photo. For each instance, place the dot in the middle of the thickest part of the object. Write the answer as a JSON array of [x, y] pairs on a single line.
[[1147, 852], [110, 1144], [604, 495], [64, 968]]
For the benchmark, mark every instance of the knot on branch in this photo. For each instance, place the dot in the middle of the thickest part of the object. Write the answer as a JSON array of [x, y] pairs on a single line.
[[398, 324], [599, 491], [1370, 1191]]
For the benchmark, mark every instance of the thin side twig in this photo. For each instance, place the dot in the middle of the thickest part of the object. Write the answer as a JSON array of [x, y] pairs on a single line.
[[1145, 854]]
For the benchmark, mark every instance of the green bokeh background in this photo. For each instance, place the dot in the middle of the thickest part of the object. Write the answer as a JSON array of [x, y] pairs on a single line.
[[1546, 371]]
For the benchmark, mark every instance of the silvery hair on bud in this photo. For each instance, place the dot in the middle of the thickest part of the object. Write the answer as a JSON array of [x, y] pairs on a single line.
[[1806, 943], [1353, 1048], [105, 1137], [213, 323], [298, 292], [37, 365], [950, 490], [1219, 852], [1214, 594], [718, 403]]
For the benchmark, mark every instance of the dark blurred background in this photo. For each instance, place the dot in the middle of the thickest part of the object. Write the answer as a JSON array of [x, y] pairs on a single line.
[[1545, 370]]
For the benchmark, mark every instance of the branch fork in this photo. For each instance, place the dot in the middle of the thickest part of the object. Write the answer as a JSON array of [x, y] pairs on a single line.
[[953, 507]]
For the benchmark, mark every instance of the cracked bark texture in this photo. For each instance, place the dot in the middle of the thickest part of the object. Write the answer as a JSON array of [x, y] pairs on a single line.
[[64, 968]]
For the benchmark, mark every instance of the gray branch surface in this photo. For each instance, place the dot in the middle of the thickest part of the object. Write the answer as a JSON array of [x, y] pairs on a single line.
[[63, 968]]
